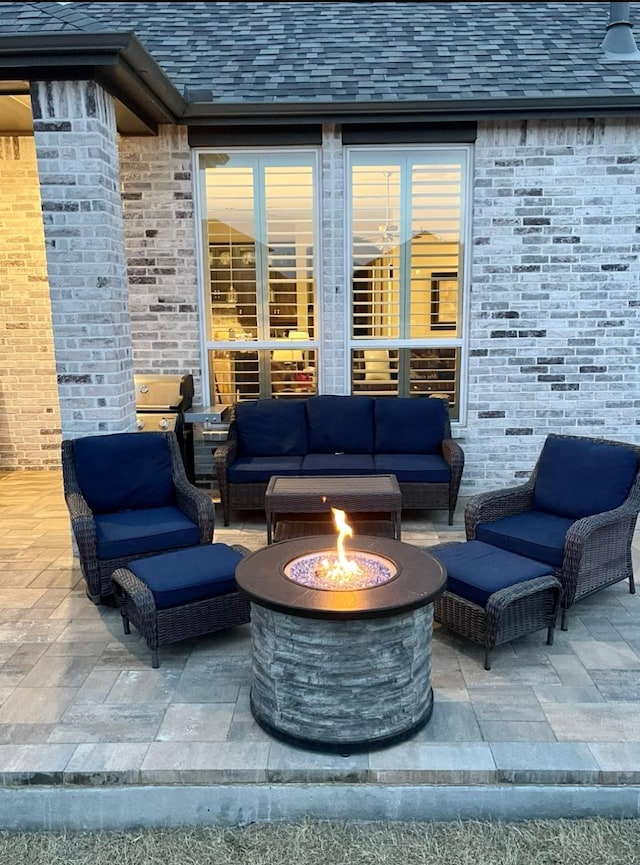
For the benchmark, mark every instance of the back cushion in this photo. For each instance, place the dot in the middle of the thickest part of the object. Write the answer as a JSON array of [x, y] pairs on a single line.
[[410, 425], [577, 478], [272, 428], [124, 471], [340, 424]]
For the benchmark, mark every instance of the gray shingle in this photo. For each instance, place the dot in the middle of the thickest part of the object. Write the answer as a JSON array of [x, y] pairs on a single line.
[[356, 51]]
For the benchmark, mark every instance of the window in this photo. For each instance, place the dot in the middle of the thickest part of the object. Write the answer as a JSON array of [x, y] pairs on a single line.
[[259, 239], [407, 263]]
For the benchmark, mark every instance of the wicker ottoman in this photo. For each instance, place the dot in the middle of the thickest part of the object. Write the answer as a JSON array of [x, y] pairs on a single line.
[[494, 596], [182, 594]]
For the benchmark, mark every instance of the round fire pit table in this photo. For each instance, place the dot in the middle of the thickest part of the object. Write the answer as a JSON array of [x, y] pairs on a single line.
[[341, 670]]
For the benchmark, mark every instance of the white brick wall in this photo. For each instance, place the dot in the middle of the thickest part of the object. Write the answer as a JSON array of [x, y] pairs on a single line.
[[555, 301], [29, 410], [161, 258], [76, 148]]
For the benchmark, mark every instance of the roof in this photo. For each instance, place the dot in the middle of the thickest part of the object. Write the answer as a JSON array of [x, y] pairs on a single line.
[[303, 53]]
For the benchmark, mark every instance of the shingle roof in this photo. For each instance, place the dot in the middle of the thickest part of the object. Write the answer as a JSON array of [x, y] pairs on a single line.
[[301, 52]]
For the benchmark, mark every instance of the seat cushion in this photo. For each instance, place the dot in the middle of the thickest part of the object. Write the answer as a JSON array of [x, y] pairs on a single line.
[[189, 575], [338, 464], [534, 534], [340, 424], [252, 470], [134, 533], [577, 478], [271, 428], [409, 425], [416, 468], [124, 471], [476, 570]]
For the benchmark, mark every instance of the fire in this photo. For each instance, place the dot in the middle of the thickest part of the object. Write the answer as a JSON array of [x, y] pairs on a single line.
[[341, 568]]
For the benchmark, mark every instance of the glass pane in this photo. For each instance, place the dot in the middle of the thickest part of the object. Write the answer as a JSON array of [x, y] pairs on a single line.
[[375, 372], [434, 371], [293, 373], [435, 249], [230, 232], [407, 372], [289, 239], [376, 250], [243, 375]]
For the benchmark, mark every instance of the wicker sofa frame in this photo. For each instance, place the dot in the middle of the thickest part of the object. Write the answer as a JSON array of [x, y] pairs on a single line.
[[193, 502], [186, 621], [510, 613], [234, 496], [597, 549]]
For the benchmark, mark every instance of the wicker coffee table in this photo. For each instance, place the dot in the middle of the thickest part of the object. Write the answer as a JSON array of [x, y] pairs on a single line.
[[301, 506]]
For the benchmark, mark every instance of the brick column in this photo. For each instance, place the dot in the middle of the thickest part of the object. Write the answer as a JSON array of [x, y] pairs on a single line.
[[335, 287], [77, 153]]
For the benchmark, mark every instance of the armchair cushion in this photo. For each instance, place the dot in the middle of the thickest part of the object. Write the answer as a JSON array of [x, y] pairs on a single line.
[[416, 468], [271, 428], [124, 472], [534, 534], [189, 575], [476, 570], [408, 425], [338, 464], [340, 424], [136, 533], [578, 478], [256, 470]]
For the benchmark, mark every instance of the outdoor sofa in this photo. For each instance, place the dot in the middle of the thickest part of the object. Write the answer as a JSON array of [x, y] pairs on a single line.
[[341, 435]]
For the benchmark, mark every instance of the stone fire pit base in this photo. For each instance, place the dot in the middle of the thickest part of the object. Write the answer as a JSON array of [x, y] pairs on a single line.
[[341, 686]]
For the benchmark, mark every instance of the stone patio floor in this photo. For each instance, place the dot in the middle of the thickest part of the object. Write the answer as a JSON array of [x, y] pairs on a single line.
[[81, 709]]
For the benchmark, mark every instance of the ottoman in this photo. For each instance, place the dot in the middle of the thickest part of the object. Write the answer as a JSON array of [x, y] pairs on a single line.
[[182, 594], [494, 596]]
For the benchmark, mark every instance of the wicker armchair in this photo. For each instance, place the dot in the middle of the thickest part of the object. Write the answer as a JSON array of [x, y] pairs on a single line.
[[577, 512], [128, 497]]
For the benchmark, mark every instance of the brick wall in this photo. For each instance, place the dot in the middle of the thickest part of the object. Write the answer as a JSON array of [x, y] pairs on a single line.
[[160, 232], [76, 149], [29, 410], [159, 228], [554, 321]]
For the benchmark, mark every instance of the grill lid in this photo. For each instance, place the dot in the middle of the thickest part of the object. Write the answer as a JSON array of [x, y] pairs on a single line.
[[163, 392]]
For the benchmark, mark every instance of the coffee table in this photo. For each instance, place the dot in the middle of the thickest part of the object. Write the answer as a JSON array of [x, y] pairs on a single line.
[[373, 504]]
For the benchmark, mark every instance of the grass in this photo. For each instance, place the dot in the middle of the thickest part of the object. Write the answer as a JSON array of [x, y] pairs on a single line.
[[544, 842]]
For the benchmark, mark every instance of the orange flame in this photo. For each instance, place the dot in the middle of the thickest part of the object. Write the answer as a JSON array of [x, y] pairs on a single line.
[[344, 529]]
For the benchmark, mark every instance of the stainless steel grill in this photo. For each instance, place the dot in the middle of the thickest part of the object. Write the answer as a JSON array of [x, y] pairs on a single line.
[[161, 401]]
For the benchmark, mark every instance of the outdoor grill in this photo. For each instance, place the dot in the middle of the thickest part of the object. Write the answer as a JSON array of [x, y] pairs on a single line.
[[161, 401]]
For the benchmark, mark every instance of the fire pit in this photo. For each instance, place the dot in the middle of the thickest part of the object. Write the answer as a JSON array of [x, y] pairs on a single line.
[[338, 664]]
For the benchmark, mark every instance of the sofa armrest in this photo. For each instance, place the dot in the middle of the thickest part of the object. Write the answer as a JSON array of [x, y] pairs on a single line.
[[224, 455], [494, 505]]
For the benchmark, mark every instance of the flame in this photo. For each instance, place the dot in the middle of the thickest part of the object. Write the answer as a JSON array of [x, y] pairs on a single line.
[[343, 528], [339, 571]]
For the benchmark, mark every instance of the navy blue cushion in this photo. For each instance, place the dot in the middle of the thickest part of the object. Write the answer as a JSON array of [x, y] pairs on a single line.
[[338, 464], [340, 424], [124, 471], [476, 570], [134, 533], [577, 478], [252, 470], [189, 575], [416, 468], [534, 534], [271, 428], [407, 425]]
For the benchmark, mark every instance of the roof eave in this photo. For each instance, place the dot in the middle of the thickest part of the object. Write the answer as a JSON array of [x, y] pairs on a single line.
[[202, 114], [116, 60]]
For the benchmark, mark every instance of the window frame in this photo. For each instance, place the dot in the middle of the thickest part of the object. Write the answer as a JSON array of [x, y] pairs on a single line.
[[353, 155], [209, 346]]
